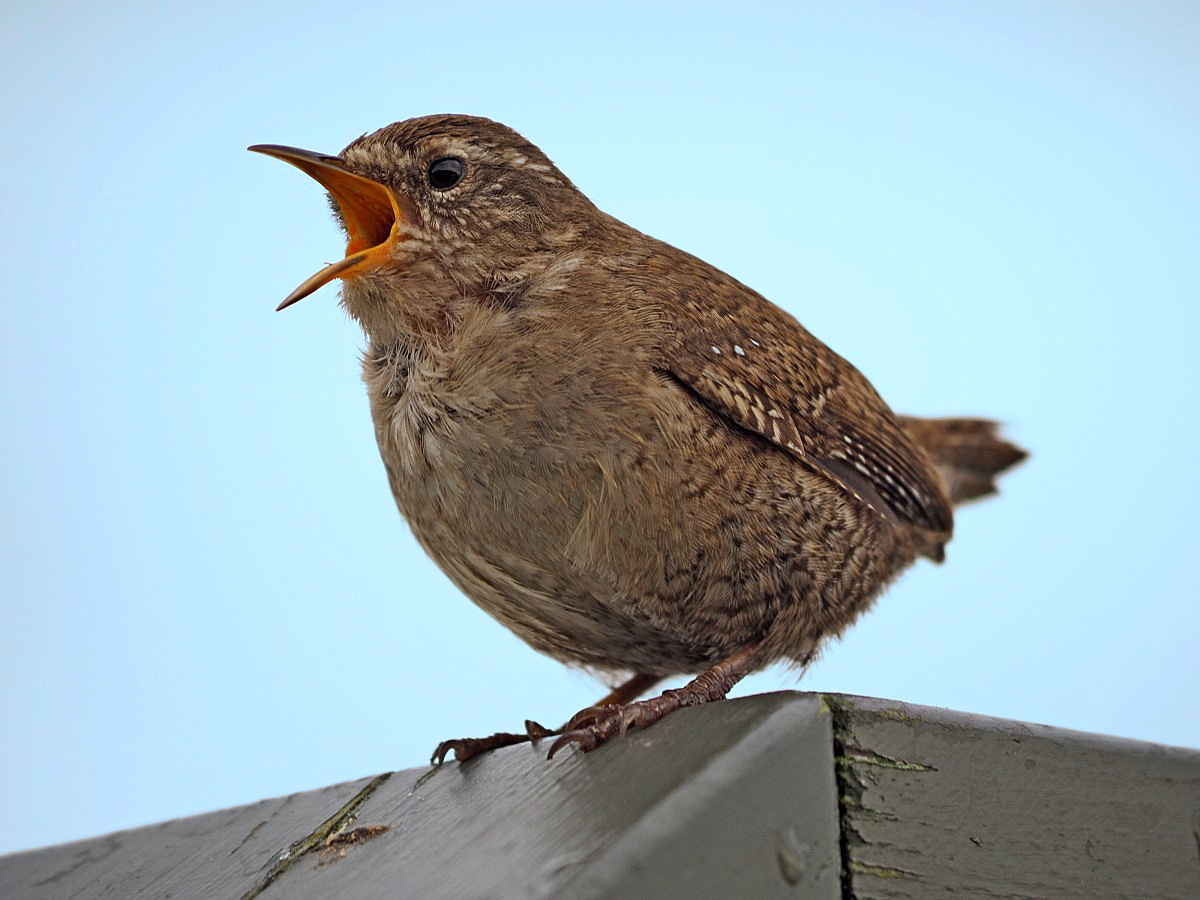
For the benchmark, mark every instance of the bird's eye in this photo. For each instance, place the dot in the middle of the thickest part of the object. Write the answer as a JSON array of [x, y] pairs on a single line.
[[446, 173]]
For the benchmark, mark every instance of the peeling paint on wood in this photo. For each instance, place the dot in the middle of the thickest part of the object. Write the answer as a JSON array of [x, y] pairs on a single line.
[[936, 802]]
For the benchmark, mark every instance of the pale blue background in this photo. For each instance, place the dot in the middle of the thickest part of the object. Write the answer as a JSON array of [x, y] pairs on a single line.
[[208, 597]]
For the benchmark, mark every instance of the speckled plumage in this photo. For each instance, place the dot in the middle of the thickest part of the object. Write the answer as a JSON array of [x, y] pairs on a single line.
[[626, 456]]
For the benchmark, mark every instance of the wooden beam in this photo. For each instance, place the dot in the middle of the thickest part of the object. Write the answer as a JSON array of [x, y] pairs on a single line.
[[778, 795], [937, 802]]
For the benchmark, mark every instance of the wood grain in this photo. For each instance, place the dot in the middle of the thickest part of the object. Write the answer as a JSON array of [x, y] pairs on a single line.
[[782, 795], [940, 802]]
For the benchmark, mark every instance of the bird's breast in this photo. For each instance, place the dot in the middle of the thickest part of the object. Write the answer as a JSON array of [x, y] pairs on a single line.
[[519, 508]]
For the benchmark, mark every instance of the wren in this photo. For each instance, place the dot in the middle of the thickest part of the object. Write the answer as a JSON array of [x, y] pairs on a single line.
[[629, 458]]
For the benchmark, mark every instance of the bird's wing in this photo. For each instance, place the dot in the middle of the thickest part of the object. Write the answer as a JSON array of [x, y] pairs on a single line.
[[758, 367]]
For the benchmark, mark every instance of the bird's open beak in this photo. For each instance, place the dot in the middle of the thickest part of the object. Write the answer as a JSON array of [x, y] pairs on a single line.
[[373, 215]]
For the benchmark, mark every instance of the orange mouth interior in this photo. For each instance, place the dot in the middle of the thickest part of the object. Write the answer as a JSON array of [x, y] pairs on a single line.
[[373, 214]]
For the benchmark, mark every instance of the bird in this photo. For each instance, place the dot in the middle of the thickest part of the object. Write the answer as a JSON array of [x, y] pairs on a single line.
[[632, 460]]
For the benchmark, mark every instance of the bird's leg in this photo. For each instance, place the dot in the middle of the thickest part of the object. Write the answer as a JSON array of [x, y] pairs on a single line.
[[626, 692], [466, 748], [591, 727]]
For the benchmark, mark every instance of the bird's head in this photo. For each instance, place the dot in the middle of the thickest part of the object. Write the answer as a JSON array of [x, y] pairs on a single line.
[[437, 210]]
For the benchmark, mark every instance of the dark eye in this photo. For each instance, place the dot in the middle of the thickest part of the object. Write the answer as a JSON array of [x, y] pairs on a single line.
[[446, 173]]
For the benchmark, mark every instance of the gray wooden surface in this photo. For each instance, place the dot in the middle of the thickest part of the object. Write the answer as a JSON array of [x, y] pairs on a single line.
[[737, 797], [935, 801], [779, 795]]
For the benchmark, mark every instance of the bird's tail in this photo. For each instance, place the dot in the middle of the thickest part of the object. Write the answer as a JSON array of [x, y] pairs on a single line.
[[968, 453]]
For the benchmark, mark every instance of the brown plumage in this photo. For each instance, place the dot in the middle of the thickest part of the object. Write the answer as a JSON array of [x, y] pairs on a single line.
[[629, 458]]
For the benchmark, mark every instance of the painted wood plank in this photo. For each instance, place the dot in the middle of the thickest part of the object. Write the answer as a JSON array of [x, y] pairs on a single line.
[[778, 795], [939, 802], [735, 799], [215, 855]]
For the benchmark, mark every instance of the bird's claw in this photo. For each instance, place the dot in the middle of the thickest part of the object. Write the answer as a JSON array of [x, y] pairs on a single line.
[[591, 727], [587, 739], [469, 748], [590, 716], [445, 747]]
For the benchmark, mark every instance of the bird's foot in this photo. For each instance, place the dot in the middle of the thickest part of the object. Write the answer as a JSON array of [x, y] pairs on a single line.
[[591, 727], [467, 748]]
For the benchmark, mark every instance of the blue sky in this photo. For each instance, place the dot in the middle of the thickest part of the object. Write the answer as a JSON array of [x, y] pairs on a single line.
[[206, 594]]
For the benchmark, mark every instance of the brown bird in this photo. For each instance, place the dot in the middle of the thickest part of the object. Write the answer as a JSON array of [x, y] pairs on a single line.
[[629, 458]]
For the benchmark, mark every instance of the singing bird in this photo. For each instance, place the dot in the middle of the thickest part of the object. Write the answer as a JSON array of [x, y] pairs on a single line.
[[630, 459]]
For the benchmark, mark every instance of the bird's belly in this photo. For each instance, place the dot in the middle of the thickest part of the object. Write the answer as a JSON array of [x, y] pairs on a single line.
[[504, 518], [662, 558]]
